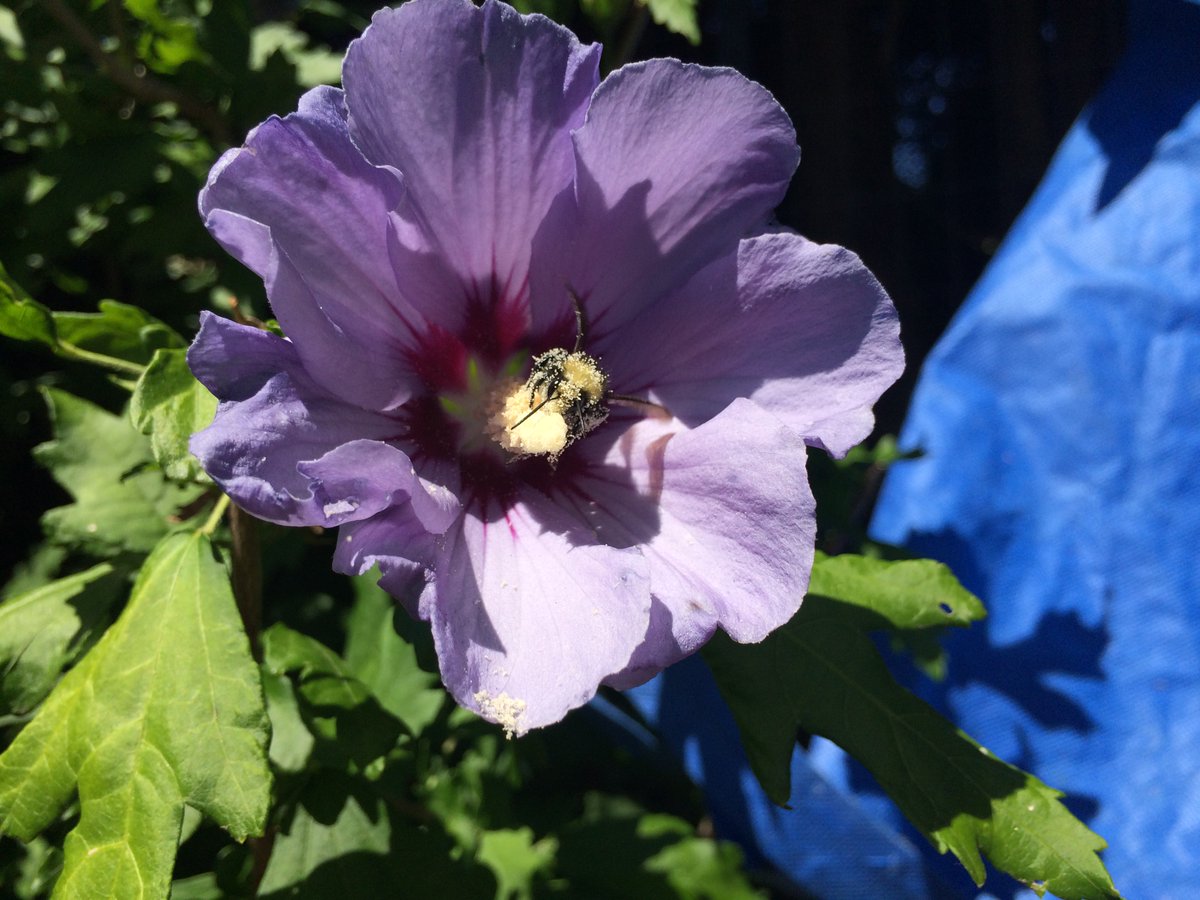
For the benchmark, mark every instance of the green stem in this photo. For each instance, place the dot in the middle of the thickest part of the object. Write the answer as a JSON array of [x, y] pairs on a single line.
[[99, 359], [214, 518], [635, 27]]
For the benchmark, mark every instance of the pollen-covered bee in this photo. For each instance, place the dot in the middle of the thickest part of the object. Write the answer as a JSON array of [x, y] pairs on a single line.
[[565, 396], [575, 383]]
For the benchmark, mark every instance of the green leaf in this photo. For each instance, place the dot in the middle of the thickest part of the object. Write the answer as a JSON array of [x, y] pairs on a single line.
[[168, 41], [165, 709], [119, 336], [38, 870], [341, 713], [676, 15], [119, 331], [697, 868], [198, 887], [386, 663], [37, 570], [314, 65], [516, 860], [121, 502], [910, 593], [170, 405], [41, 630], [23, 318], [337, 825], [616, 853], [344, 840], [821, 673], [291, 741]]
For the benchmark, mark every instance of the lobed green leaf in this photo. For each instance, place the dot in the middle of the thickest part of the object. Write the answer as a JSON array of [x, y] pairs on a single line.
[[121, 503], [170, 405], [820, 673], [166, 709]]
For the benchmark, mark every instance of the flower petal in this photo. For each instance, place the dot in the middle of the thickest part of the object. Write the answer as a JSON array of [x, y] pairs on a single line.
[[288, 451], [802, 329], [725, 518], [675, 163], [400, 544], [474, 107], [530, 615], [301, 207]]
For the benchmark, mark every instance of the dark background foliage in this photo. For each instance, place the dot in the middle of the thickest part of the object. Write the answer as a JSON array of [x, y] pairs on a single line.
[[924, 128]]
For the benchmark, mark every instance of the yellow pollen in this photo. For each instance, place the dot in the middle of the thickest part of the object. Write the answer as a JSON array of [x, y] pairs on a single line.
[[584, 377], [504, 710], [543, 432]]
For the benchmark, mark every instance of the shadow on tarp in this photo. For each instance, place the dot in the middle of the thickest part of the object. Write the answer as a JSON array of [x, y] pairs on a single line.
[[1061, 418], [1159, 83]]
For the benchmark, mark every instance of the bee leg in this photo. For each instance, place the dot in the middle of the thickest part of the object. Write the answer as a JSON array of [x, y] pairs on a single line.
[[657, 410]]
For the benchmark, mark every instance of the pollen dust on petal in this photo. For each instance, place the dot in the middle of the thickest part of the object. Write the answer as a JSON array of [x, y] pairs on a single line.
[[502, 709]]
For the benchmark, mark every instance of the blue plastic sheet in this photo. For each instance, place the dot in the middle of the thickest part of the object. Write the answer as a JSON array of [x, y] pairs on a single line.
[[1060, 421]]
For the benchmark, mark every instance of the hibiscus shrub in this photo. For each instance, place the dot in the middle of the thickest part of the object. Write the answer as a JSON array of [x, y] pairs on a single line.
[[515, 403]]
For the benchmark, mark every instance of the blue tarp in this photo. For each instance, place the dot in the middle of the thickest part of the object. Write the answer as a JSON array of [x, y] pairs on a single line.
[[1060, 421]]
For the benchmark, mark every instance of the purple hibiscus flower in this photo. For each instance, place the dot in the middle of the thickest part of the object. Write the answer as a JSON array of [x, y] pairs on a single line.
[[549, 365]]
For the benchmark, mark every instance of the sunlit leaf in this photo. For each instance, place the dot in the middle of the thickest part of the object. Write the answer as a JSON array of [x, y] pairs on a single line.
[[314, 65], [677, 15], [910, 593], [23, 318], [170, 405], [165, 709], [820, 673], [169, 40], [516, 859], [697, 868]]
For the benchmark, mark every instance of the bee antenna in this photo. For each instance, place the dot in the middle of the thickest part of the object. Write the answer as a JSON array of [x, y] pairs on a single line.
[[532, 411], [580, 320]]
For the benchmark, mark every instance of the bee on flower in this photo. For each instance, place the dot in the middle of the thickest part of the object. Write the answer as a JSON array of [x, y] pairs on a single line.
[[432, 238]]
